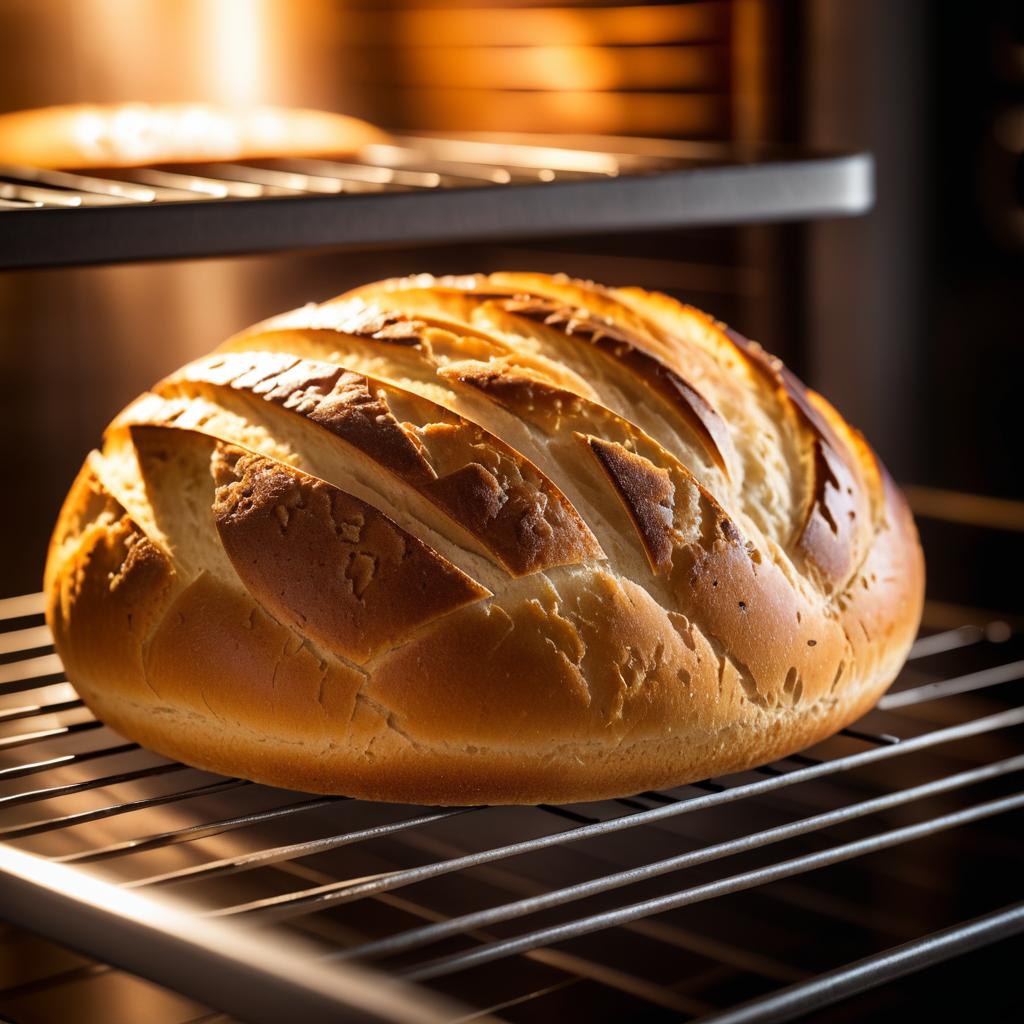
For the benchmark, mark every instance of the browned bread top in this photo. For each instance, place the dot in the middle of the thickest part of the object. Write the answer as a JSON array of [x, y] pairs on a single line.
[[506, 538]]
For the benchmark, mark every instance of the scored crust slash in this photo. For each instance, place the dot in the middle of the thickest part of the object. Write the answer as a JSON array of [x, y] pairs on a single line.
[[489, 539]]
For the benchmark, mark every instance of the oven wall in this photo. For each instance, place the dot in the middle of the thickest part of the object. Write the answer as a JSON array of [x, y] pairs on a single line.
[[913, 321], [76, 345]]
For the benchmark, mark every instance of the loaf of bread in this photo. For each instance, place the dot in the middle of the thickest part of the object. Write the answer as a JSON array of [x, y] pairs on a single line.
[[502, 539], [84, 135]]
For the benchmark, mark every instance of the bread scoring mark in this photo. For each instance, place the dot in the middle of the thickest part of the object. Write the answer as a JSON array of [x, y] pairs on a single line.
[[528, 395], [838, 513], [436, 336], [353, 329], [355, 318], [446, 334], [681, 505], [479, 482], [130, 555], [629, 349], [106, 578], [678, 324], [392, 328], [395, 332], [828, 536], [356, 594], [332, 397], [572, 291], [646, 491], [603, 304], [742, 607]]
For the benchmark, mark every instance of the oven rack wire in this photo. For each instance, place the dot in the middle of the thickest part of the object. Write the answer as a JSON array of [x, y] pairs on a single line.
[[416, 190], [414, 920]]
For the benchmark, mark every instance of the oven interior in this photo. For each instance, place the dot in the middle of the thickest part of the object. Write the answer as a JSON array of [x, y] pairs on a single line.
[[874, 872]]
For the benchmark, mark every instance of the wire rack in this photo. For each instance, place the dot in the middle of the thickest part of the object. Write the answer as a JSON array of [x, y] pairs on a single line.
[[415, 190], [891, 847]]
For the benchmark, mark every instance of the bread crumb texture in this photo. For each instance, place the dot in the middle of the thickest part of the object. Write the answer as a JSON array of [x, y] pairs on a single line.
[[487, 539]]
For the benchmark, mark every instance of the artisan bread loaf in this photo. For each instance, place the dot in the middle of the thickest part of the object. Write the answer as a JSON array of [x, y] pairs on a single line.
[[84, 135], [499, 539]]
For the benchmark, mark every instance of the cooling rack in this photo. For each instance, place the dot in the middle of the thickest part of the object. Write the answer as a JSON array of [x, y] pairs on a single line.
[[419, 189], [757, 897]]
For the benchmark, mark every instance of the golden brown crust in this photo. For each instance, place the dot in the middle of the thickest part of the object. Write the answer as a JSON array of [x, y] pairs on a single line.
[[325, 562], [629, 351], [647, 492], [108, 585], [481, 483], [829, 529], [220, 604], [218, 657]]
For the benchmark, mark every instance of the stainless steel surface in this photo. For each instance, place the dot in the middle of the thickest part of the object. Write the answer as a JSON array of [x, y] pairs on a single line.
[[419, 190], [226, 967], [498, 907]]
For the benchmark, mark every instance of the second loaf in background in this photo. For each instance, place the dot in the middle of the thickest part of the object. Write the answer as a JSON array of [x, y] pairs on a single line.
[[489, 539]]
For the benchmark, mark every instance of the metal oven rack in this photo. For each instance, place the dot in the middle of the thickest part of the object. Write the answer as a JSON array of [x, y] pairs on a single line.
[[729, 900], [888, 849], [413, 191]]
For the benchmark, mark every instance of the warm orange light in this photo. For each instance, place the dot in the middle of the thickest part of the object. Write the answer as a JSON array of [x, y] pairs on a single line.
[[572, 68], [516, 26], [239, 54], [649, 113]]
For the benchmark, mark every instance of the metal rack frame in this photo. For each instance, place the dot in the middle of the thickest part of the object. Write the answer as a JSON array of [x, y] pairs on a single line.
[[64, 774], [111, 924], [419, 190]]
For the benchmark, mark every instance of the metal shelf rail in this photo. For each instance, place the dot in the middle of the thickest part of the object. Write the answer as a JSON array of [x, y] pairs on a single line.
[[417, 190], [157, 868]]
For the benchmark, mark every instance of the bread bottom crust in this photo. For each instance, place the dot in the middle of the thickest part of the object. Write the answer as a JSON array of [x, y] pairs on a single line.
[[402, 772]]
